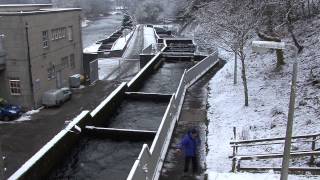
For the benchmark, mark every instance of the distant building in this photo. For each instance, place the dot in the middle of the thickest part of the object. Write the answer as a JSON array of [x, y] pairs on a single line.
[[42, 47]]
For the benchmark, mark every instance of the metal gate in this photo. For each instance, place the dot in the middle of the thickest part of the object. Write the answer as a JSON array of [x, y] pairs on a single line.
[[94, 72]]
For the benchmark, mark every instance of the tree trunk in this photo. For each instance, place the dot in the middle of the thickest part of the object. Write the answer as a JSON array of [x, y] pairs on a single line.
[[291, 27], [235, 68], [244, 77]]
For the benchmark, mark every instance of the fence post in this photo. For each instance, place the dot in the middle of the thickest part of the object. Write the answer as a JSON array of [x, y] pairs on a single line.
[[235, 147], [313, 148], [235, 150], [234, 165]]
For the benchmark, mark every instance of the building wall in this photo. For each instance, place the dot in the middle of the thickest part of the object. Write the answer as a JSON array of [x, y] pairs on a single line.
[[14, 42], [42, 59]]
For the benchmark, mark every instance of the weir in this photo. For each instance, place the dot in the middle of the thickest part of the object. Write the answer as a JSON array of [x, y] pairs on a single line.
[[106, 142]]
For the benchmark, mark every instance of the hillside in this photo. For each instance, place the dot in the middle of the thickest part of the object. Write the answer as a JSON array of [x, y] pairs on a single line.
[[269, 91]]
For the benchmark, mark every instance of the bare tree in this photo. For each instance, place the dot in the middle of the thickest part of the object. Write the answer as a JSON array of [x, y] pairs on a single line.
[[231, 23]]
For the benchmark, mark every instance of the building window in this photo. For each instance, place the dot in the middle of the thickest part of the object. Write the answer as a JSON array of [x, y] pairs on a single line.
[[58, 33], [65, 62], [70, 33], [51, 71], [15, 87], [45, 39], [72, 61]]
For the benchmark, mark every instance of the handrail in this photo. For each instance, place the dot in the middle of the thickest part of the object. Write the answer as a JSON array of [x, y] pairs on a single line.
[[310, 169], [265, 144], [273, 139], [270, 141], [274, 155]]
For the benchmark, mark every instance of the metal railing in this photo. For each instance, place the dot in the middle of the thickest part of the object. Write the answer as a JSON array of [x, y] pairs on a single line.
[[149, 163]]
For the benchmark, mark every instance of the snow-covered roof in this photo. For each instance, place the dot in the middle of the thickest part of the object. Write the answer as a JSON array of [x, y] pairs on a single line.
[[94, 48]]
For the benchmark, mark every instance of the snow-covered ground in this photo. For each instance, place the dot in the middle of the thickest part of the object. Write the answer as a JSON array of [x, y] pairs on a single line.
[[148, 37], [108, 68], [92, 48], [121, 42], [266, 115]]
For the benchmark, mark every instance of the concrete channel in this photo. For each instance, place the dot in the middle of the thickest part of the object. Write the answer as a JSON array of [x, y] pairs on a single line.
[[105, 143]]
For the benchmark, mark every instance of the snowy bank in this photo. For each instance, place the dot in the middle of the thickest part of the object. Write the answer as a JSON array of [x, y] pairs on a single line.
[[266, 116]]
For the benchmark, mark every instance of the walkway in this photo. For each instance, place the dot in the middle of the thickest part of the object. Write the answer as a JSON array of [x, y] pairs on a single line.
[[193, 114]]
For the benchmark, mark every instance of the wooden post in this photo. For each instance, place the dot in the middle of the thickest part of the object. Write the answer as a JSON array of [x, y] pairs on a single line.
[[313, 148], [234, 164], [235, 150], [235, 147], [287, 143]]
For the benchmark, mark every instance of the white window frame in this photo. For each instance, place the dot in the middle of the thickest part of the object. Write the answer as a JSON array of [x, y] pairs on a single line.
[[15, 87]]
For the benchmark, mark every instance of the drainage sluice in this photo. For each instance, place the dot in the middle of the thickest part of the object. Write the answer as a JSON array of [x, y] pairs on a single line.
[[106, 142], [120, 134], [99, 158], [166, 79], [138, 114]]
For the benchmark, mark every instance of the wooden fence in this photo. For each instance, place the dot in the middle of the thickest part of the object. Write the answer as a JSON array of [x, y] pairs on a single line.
[[312, 153]]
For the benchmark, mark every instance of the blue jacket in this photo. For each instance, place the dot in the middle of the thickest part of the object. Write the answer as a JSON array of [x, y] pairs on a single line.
[[189, 145]]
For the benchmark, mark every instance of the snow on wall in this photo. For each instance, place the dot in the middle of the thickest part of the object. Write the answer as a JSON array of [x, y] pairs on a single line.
[[148, 37], [121, 42]]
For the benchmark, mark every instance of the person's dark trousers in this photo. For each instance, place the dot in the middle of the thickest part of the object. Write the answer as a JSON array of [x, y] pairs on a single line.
[[194, 164]]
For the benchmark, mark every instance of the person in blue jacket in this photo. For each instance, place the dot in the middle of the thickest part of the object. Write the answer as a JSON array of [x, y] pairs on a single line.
[[188, 145]]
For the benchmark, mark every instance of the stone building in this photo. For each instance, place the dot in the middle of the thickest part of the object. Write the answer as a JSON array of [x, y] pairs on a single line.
[[42, 47]]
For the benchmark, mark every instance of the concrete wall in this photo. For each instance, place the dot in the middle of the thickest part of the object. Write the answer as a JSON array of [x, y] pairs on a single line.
[[106, 108], [146, 71], [14, 28], [51, 154]]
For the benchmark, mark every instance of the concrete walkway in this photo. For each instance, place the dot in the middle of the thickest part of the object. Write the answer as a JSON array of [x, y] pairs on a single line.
[[193, 114]]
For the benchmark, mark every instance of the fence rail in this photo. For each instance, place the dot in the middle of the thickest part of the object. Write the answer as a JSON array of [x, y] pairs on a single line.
[[150, 161], [236, 159]]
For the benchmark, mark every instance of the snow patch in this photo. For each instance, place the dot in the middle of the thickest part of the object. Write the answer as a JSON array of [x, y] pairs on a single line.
[[108, 68], [149, 37], [121, 42], [85, 23]]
